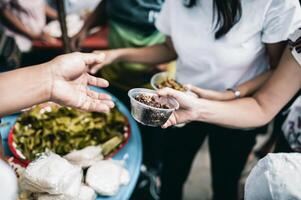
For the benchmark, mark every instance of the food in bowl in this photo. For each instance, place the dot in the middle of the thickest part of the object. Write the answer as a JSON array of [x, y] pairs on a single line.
[[150, 100], [150, 109], [171, 83]]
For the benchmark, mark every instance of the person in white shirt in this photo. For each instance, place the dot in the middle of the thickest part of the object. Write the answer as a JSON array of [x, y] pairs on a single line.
[[253, 111], [218, 45]]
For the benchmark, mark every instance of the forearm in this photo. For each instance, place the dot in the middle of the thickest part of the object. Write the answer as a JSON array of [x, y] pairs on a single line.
[[153, 55], [50, 12], [255, 111], [16, 24], [97, 17], [250, 87], [23, 88], [242, 113]]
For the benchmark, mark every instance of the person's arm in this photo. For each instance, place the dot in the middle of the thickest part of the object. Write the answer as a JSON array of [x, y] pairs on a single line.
[[97, 17], [246, 112], [50, 12], [152, 55], [274, 52], [63, 80], [16, 24]]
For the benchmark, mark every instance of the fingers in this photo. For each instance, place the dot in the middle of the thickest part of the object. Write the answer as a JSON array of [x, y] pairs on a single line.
[[168, 92], [100, 96], [105, 99], [93, 105], [90, 58], [198, 91], [170, 122], [96, 67], [98, 82]]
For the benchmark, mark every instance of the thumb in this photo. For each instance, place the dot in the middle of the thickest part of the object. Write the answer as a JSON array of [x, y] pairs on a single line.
[[169, 92], [198, 91]]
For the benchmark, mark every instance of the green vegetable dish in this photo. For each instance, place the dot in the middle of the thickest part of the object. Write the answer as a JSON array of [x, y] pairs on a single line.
[[63, 129]]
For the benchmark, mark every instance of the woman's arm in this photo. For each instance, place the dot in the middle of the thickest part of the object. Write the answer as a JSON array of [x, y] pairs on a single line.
[[97, 17], [248, 88], [16, 24], [246, 112], [152, 55], [63, 80], [50, 12]]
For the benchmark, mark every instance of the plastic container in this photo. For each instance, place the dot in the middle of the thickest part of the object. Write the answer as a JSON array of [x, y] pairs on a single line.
[[158, 78], [147, 115]]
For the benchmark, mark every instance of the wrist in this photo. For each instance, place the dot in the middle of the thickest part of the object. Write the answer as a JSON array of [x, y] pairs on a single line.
[[235, 93], [47, 76], [228, 95], [120, 55], [203, 110]]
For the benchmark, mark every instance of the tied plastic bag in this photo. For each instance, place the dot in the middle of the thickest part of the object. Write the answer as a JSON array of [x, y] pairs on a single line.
[[85, 193], [275, 177], [106, 177], [85, 157], [52, 174]]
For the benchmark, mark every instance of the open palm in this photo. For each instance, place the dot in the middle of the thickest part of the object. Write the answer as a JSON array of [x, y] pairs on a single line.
[[188, 104], [71, 80]]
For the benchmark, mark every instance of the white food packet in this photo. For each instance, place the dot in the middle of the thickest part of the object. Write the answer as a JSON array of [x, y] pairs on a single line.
[[52, 174], [106, 176], [125, 177], [85, 157], [86, 193], [275, 177]]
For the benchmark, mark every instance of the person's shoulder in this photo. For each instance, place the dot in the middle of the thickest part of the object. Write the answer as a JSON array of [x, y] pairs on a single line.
[[284, 4]]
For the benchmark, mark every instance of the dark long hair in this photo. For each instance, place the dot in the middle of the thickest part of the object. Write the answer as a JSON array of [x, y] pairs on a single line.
[[228, 14]]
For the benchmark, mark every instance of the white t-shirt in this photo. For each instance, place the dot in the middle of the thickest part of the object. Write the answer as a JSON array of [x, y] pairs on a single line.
[[238, 56]]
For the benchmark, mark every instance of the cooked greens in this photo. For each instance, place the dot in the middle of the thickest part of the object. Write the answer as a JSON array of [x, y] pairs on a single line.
[[63, 129]]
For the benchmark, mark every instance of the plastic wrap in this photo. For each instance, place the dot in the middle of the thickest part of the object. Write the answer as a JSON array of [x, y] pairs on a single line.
[[275, 177], [53, 175], [105, 177], [85, 157]]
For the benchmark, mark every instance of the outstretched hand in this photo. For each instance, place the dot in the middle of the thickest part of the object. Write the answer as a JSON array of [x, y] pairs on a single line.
[[70, 81], [188, 107]]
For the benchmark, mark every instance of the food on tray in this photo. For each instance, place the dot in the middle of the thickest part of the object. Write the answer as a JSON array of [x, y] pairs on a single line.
[[151, 100], [63, 129], [53, 175], [106, 177], [171, 83], [85, 157], [112, 143]]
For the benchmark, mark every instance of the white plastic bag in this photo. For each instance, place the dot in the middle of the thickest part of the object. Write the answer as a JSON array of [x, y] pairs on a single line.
[[106, 176], [275, 177], [86, 193], [52, 174], [85, 157]]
